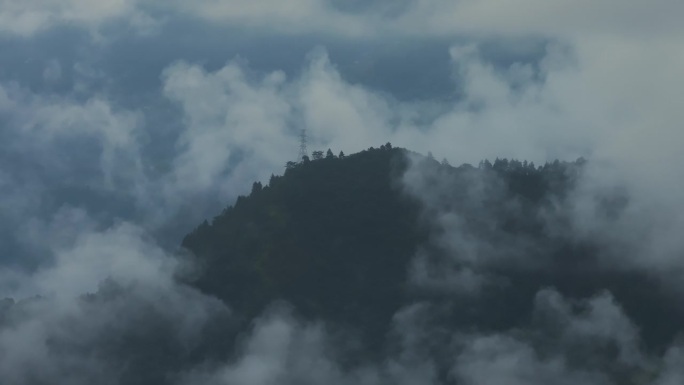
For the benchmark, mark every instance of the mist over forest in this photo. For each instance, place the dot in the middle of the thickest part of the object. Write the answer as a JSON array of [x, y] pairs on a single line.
[[490, 192]]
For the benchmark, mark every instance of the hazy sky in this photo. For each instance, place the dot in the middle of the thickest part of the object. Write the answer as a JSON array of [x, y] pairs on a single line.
[[129, 108], [124, 123]]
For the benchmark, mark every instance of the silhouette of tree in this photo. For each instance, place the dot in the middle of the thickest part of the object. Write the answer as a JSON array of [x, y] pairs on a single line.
[[256, 187]]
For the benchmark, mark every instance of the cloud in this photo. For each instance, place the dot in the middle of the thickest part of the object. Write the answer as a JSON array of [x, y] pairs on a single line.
[[283, 350], [504, 360], [233, 123], [434, 18], [336, 112], [376, 19], [57, 151], [570, 342], [591, 326], [82, 191], [107, 308], [571, 103], [672, 372], [39, 121], [299, 17], [241, 126], [25, 18], [597, 101], [52, 72]]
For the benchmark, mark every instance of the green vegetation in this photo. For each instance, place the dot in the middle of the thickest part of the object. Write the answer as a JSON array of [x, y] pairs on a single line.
[[333, 236], [337, 236]]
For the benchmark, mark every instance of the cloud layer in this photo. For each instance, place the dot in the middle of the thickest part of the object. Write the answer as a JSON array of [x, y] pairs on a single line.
[[103, 167]]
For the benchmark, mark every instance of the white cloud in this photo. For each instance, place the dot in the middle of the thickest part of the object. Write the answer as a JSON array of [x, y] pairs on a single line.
[[27, 17], [39, 124], [613, 95], [502, 360], [421, 18], [563, 19], [614, 102], [612, 99], [107, 290], [599, 321], [567, 345], [282, 350], [232, 123], [340, 114]]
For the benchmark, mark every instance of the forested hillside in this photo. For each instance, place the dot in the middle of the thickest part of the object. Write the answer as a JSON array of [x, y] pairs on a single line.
[[332, 236], [351, 240]]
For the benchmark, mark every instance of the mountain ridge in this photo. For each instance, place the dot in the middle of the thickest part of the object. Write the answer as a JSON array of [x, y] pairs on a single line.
[[337, 237]]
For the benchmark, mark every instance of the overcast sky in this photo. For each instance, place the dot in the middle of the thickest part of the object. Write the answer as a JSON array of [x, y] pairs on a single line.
[[128, 108], [124, 123]]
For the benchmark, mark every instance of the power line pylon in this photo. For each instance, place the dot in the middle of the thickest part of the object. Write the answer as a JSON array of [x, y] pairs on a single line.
[[302, 145]]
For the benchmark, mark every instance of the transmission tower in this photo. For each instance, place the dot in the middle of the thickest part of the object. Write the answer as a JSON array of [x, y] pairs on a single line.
[[302, 145]]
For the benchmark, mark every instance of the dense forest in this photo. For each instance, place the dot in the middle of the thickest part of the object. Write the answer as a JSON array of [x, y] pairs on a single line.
[[354, 239]]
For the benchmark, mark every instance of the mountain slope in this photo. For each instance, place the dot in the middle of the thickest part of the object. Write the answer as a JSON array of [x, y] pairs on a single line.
[[352, 240], [332, 236]]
